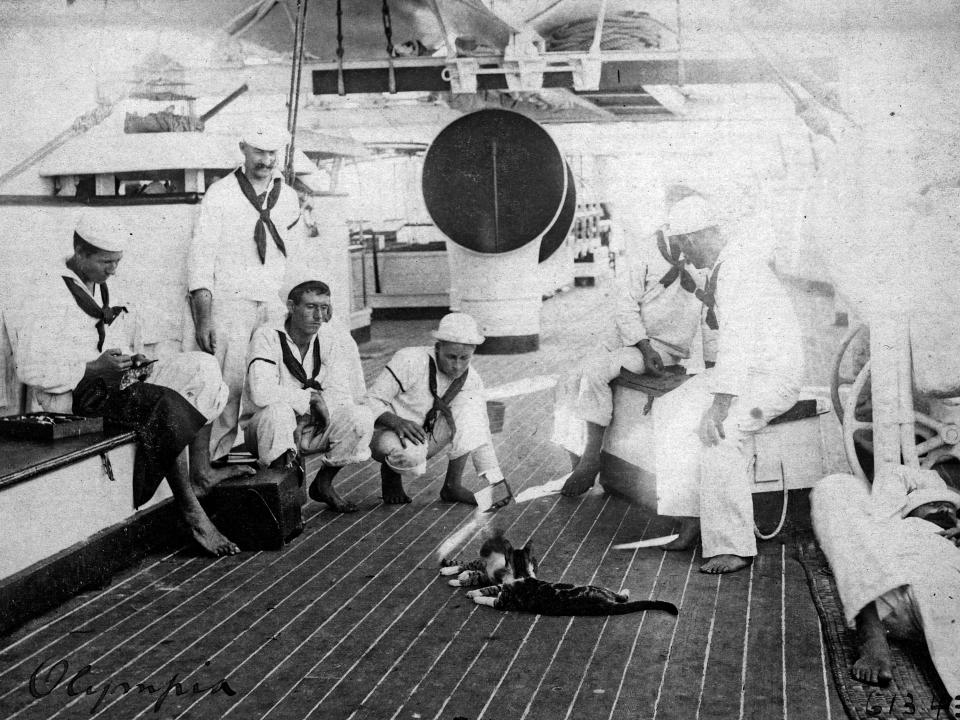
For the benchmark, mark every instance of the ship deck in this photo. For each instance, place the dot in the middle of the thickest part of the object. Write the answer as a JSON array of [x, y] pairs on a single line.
[[350, 620]]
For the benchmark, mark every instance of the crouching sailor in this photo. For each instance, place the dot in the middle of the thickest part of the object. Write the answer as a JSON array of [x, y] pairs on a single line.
[[426, 399], [80, 350], [304, 393], [893, 551]]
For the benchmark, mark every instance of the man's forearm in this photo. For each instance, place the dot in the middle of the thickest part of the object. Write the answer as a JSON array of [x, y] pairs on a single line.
[[201, 301], [722, 401]]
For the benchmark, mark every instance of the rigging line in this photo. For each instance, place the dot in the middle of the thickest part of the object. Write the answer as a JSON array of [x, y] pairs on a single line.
[[293, 103]]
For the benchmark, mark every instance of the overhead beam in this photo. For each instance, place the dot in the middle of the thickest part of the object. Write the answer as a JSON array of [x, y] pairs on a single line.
[[618, 74]]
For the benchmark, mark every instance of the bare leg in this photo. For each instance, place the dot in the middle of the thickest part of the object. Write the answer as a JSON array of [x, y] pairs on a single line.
[[720, 564], [202, 529], [574, 459], [689, 535], [391, 486], [875, 664], [453, 489], [321, 490], [204, 478], [583, 475]]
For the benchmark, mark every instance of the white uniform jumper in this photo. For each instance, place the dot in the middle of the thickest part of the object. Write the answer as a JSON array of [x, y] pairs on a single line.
[[403, 388], [224, 259], [760, 362], [274, 400]]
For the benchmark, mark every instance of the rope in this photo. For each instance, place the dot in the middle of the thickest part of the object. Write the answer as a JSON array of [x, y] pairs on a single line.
[[632, 30], [296, 73], [388, 33], [341, 90], [783, 505]]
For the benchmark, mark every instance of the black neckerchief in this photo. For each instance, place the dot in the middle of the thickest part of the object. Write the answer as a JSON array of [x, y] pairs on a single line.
[[677, 266], [708, 297], [441, 405], [104, 315], [264, 222], [296, 368]]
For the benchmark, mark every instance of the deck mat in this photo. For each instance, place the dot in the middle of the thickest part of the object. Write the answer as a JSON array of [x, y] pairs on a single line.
[[915, 692]]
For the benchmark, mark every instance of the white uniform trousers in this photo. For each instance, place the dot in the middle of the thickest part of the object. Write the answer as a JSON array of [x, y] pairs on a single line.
[[714, 483], [234, 322], [903, 564], [472, 436], [270, 432]]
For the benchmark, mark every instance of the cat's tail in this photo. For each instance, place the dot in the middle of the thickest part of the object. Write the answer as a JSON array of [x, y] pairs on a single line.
[[640, 605]]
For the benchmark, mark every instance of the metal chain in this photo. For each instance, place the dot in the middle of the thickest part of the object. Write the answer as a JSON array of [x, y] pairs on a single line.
[[341, 90]]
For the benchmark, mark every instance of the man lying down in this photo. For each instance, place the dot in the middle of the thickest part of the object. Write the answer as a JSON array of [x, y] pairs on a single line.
[[896, 571]]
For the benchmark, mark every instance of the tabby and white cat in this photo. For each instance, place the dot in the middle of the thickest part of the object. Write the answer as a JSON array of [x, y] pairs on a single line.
[[509, 581]]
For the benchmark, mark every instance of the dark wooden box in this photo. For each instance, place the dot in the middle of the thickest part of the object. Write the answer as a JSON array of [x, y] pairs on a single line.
[[259, 512], [26, 427]]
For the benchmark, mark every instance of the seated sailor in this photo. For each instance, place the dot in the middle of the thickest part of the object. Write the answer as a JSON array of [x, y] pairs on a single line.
[[657, 315], [79, 348], [896, 567], [426, 399], [702, 475], [304, 392]]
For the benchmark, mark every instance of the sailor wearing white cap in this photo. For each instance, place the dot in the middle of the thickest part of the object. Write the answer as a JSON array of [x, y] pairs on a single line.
[[304, 392], [657, 317], [701, 472], [893, 552], [247, 230], [79, 349], [428, 398]]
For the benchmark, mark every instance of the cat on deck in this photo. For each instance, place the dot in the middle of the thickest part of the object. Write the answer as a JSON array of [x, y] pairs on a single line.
[[507, 580]]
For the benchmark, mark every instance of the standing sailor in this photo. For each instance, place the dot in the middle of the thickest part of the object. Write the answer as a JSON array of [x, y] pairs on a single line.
[[246, 231], [425, 399], [305, 390], [78, 348], [702, 474]]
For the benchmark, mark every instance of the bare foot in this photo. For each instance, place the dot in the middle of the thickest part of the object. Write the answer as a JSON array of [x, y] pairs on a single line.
[[457, 493], [719, 564], [321, 490], [689, 535], [875, 664], [582, 478], [209, 538], [391, 487], [205, 480]]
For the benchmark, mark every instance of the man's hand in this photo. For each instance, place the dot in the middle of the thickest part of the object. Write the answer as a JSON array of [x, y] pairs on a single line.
[[711, 424], [953, 534], [652, 363], [406, 430], [201, 304], [110, 365]]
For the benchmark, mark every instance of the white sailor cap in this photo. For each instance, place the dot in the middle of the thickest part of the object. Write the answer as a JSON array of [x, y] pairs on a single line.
[[266, 136], [690, 214], [104, 229], [923, 496], [458, 328]]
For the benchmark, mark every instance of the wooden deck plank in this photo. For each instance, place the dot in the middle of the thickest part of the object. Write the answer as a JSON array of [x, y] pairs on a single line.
[[600, 677], [721, 698], [640, 682], [763, 691]]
